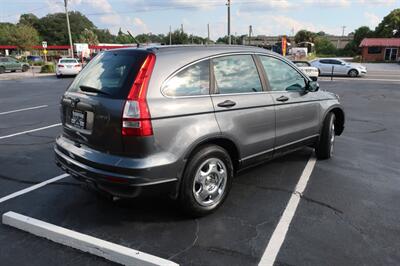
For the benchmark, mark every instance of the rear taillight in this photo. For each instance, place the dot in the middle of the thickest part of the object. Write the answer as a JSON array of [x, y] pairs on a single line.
[[136, 119], [60, 66], [78, 65]]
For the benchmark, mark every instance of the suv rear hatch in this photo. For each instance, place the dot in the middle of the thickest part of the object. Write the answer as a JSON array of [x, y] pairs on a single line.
[[92, 108]]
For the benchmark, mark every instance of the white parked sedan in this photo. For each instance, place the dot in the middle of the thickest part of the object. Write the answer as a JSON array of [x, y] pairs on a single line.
[[68, 66], [309, 70], [338, 67]]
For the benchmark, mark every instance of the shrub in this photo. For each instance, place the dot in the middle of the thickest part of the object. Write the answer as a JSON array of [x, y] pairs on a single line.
[[48, 68], [324, 46]]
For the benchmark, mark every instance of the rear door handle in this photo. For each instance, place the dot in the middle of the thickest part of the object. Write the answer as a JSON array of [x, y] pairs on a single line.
[[227, 103], [282, 99]]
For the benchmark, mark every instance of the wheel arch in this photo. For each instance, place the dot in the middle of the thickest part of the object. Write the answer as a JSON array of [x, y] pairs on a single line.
[[223, 141], [358, 72], [338, 111], [220, 140]]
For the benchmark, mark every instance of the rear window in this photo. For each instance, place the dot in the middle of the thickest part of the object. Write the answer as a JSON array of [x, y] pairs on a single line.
[[111, 72], [68, 61]]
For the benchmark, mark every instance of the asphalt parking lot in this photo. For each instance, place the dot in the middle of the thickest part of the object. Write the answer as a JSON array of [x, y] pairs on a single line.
[[349, 213]]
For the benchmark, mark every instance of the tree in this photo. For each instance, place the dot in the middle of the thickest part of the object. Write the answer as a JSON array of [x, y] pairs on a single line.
[[89, 37], [390, 25], [324, 46], [361, 33], [29, 20], [124, 38], [23, 36], [306, 36], [234, 39], [5, 33], [53, 27], [104, 36], [151, 38], [179, 37]]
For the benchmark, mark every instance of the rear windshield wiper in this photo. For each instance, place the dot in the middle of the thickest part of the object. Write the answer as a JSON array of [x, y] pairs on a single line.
[[92, 89]]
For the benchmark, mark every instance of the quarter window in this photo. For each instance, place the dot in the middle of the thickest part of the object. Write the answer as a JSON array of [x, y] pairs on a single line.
[[193, 80], [236, 74], [281, 76]]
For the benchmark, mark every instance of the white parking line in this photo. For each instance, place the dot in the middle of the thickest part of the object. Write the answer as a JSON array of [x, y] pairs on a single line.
[[29, 131], [281, 229], [23, 109], [31, 188], [85, 243]]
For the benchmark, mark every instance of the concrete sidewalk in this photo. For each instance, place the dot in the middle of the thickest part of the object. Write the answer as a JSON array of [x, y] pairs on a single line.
[[31, 73]]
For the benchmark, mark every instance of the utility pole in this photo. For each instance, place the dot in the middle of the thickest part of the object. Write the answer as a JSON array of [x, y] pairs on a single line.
[[69, 29], [250, 32], [229, 21], [208, 33], [182, 28], [343, 27], [170, 35]]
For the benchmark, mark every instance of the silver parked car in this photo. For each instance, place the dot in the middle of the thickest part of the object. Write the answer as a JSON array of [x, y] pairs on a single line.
[[189, 118], [338, 67]]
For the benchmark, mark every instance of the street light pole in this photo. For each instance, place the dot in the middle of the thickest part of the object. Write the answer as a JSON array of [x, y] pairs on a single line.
[[208, 33], [229, 22], [170, 35], [69, 28]]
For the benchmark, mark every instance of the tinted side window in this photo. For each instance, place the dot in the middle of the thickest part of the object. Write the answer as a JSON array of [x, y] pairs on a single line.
[[193, 80], [236, 74], [325, 61], [336, 62], [281, 76]]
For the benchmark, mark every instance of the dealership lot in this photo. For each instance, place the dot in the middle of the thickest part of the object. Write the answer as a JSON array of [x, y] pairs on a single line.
[[348, 214]]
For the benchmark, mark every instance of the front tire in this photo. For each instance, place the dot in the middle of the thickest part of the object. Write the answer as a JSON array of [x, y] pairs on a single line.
[[25, 68], [206, 181], [324, 148], [353, 73]]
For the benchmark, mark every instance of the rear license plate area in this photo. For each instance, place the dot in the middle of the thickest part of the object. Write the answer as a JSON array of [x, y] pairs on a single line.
[[78, 119]]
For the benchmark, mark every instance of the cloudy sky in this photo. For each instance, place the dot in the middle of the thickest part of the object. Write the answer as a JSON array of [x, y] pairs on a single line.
[[268, 17]]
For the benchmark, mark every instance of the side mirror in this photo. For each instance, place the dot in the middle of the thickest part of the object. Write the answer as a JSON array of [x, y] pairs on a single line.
[[312, 86]]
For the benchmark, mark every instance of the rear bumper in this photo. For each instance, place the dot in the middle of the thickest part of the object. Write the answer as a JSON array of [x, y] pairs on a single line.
[[119, 176], [71, 71]]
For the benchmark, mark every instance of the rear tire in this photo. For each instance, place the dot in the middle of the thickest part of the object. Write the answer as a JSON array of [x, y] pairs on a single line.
[[25, 68], [2, 70], [324, 147], [353, 73], [58, 76], [207, 181]]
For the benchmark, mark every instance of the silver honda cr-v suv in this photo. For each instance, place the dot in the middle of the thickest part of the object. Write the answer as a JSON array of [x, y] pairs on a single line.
[[189, 118]]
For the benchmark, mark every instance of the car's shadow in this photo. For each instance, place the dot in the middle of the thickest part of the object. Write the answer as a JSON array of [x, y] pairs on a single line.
[[236, 234]]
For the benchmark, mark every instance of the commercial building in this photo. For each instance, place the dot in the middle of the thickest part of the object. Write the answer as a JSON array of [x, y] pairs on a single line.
[[380, 49]]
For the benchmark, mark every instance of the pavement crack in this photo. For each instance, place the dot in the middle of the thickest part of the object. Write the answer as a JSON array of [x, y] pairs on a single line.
[[320, 203], [191, 245], [301, 195]]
